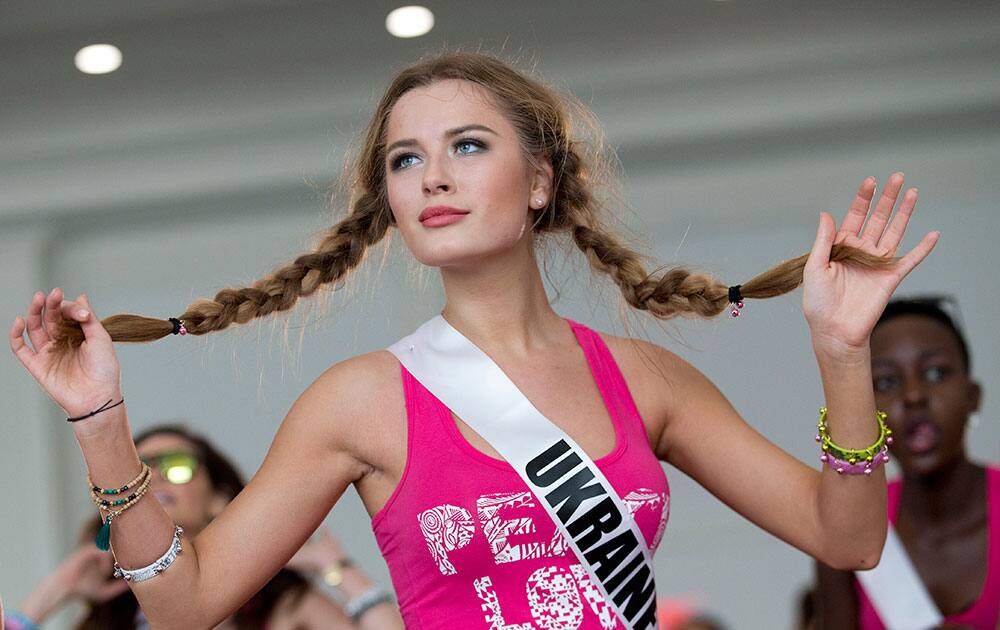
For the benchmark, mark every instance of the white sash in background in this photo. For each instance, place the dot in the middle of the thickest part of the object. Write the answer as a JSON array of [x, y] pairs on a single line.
[[564, 480], [896, 591]]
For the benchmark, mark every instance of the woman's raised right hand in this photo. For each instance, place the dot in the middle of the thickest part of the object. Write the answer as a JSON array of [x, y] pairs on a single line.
[[79, 380]]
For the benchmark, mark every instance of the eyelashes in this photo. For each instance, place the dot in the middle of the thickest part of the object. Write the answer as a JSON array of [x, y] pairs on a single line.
[[463, 146]]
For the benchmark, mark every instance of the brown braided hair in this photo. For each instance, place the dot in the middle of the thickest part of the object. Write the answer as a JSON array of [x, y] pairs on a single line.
[[542, 119]]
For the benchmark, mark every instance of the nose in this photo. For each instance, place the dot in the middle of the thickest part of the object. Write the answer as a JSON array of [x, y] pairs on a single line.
[[437, 178], [914, 391]]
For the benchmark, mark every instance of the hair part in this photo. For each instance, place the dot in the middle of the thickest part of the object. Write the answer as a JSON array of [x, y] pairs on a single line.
[[551, 127]]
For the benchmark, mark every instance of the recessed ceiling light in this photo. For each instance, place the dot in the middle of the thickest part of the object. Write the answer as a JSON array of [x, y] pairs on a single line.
[[98, 59], [410, 21]]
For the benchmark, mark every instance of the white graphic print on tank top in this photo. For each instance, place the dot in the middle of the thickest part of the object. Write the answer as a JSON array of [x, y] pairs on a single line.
[[558, 598]]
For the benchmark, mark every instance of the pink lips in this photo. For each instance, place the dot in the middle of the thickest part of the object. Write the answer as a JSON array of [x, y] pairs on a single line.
[[921, 436], [439, 216]]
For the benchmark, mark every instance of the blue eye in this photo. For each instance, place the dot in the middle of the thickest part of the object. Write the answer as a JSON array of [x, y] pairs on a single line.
[[405, 160], [469, 146]]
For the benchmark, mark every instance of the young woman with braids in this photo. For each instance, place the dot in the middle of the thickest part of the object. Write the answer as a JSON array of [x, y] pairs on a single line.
[[193, 483], [474, 163]]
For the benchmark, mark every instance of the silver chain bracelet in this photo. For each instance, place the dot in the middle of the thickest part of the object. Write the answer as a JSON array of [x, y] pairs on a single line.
[[158, 567]]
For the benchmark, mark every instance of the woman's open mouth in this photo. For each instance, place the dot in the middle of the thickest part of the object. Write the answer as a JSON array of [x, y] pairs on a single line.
[[921, 436]]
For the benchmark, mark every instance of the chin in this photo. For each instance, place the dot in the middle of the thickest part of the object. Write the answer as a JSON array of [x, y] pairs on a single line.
[[928, 464], [457, 256]]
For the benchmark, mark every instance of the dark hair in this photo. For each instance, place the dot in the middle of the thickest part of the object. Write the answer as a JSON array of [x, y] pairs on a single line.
[[930, 306], [119, 613]]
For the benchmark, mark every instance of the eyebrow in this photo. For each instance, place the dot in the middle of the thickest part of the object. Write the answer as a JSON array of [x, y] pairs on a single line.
[[923, 356], [409, 142]]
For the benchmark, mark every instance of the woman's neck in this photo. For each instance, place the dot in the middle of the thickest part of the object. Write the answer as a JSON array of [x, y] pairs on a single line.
[[947, 494], [501, 303]]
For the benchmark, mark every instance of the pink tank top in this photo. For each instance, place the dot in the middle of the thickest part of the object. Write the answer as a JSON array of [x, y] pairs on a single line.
[[467, 544], [985, 612]]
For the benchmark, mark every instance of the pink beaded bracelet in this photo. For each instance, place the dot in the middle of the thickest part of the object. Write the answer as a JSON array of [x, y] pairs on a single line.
[[863, 467]]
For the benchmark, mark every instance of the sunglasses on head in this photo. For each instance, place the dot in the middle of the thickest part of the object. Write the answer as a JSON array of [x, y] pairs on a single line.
[[177, 467]]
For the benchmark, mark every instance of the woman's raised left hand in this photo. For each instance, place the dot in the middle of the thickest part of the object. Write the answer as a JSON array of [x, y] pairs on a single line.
[[842, 302]]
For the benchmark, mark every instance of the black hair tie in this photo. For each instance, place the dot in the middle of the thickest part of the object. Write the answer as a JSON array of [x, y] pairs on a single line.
[[179, 328], [736, 299]]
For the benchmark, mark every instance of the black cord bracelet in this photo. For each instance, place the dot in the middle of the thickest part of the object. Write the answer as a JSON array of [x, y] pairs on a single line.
[[103, 407]]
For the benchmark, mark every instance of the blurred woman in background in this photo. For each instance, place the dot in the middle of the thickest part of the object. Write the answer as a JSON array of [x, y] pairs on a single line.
[[193, 483], [946, 508]]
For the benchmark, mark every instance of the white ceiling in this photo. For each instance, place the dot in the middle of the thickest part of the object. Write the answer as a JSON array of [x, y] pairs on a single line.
[[223, 98]]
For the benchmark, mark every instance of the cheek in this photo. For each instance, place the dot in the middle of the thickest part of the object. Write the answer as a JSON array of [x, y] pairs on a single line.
[[405, 196], [502, 197]]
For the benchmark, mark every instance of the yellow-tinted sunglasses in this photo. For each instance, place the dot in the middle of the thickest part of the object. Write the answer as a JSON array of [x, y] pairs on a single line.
[[177, 467]]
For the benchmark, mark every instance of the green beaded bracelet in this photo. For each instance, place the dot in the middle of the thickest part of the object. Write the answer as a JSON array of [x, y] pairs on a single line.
[[853, 455]]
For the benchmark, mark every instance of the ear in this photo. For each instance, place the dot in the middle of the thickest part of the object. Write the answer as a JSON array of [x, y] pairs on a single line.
[[541, 179], [975, 396]]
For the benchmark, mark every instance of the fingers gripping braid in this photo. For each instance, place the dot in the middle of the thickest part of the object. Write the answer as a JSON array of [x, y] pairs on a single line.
[[341, 250]]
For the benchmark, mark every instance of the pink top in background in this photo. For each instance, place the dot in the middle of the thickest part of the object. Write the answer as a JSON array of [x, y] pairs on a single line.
[[467, 544], [985, 612]]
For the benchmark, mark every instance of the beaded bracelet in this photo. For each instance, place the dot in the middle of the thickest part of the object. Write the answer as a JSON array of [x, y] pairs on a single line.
[[103, 540], [853, 456], [109, 505], [863, 467], [98, 490]]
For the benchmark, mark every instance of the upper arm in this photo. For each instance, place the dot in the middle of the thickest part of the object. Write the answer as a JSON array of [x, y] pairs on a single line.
[[307, 468], [704, 436]]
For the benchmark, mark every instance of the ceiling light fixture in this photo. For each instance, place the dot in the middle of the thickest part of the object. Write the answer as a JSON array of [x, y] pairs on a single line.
[[409, 21], [98, 59]]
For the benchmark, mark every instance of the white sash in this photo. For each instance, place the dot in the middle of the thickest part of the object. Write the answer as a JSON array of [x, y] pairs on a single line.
[[566, 482], [895, 589]]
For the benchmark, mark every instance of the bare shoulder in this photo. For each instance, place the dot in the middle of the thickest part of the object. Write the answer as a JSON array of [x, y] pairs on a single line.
[[665, 387], [646, 365], [355, 402], [354, 408], [355, 385]]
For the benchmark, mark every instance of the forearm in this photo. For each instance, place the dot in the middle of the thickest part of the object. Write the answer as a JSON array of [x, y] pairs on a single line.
[[143, 532], [836, 603], [48, 596], [851, 509]]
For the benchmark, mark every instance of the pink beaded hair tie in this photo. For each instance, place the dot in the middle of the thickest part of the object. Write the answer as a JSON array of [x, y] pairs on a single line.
[[179, 328], [863, 467], [735, 300]]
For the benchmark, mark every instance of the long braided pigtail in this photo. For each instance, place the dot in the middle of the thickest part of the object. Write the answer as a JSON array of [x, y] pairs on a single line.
[[674, 291], [340, 251]]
